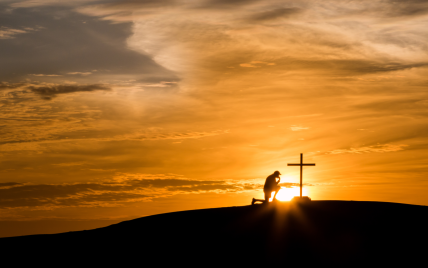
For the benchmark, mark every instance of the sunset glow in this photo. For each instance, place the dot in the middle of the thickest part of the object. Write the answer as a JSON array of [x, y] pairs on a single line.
[[113, 110]]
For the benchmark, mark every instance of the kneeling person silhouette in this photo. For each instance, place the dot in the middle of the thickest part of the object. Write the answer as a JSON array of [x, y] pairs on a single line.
[[271, 185]]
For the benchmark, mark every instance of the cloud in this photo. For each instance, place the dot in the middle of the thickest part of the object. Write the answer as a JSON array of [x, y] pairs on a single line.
[[274, 14], [326, 47], [180, 39], [31, 123], [47, 138], [127, 10], [380, 148], [46, 75], [121, 189], [210, 4], [68, 43], [80, 73], [36, 3], [9, 184], [255, 64], [8, 33], [161, 84], [28, 118], [50, 91], [399, 9], [298, 128], [6, 85], [401, 105], [71, 164], [161, 135], [121, 10], [21, 146], [305, 115]]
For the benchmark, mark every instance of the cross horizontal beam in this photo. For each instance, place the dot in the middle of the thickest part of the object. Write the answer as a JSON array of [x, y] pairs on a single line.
[[301, 164]]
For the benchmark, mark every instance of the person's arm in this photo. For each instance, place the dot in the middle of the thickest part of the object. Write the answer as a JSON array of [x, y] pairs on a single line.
[[279, 179]]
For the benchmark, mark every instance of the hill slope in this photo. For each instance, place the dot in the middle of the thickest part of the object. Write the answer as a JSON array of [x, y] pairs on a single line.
[[317, 232]]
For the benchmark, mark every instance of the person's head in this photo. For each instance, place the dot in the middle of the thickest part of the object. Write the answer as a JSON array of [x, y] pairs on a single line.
[[276, 173]]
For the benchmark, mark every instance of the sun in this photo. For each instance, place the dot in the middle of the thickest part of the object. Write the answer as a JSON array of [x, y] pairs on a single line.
[[286, 194]]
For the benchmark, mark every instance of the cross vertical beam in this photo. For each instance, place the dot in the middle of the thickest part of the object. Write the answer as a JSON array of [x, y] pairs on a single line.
[[301, 174], [301, 171]]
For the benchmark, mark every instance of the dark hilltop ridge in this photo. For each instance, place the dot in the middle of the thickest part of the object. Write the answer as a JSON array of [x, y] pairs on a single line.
[[286, 233]]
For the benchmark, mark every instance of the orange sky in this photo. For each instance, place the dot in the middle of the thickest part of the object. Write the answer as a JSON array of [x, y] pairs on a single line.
[[112, 110]]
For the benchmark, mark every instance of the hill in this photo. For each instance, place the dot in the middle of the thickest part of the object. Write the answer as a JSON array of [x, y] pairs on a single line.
[[286, 233]]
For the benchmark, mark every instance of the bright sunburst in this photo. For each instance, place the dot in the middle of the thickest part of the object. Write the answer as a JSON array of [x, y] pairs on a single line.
[[286, 194]]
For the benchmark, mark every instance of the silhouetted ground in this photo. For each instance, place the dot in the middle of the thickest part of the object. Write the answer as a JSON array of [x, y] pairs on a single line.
[[315, 233]]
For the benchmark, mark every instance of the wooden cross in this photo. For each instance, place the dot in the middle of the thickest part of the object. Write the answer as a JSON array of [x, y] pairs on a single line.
[[301, 171]]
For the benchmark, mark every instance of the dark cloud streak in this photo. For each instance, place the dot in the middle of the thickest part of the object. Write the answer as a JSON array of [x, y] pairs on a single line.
[[48, 92], [406, 8], [8, 184], [227, 3], [5, 85], [274, 14], [106, 192], [139, 4]]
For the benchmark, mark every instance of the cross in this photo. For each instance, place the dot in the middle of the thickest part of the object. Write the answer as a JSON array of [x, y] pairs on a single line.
[[301, 171]]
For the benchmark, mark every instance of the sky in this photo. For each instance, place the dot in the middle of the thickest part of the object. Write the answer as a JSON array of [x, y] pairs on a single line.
[[113, 110]]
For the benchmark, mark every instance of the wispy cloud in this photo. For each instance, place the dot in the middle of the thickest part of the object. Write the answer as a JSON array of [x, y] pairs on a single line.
[[149, 134], [7, 33], [121, 189], [273, 14], [7, 85], [9, 184], [80, 73], [256, 64], [48, 75], [329, 41], [298, 128], [37, 144], [10, 33], [61, 121], [305, 115], [71, 164], [36, 3], [380, 148]]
